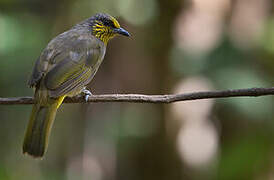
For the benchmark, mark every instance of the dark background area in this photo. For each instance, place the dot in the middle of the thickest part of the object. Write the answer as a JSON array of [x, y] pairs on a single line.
[[176, 46]]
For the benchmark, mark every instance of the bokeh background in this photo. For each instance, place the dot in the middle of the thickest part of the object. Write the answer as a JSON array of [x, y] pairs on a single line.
[[176, 46]]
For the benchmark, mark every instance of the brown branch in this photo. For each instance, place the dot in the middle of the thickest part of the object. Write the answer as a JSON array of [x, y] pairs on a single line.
[[139, 98]]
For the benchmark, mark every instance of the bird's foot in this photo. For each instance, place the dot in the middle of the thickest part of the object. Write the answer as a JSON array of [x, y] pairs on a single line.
[[86, 93]]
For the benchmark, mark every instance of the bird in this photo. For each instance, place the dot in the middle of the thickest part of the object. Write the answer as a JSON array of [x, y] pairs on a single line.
[[64, 68]]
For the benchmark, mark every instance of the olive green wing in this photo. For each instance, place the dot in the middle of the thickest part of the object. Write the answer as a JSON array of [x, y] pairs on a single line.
[[72, 73], [57, 50], [68, 63]]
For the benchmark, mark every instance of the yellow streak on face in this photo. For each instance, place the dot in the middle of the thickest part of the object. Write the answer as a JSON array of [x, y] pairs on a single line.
[[103, 32], [115, 22]]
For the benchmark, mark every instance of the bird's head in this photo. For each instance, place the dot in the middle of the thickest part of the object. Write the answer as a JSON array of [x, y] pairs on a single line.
[[105, 27]]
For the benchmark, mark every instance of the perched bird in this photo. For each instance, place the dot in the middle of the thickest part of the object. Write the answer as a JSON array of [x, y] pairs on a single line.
[[64, 68]]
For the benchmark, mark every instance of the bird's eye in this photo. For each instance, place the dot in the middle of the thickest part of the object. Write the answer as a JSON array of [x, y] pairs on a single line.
[[112, 24], [109, 23]]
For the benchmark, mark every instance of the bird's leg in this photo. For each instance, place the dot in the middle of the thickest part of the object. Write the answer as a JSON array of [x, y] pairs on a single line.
[[86, 94]]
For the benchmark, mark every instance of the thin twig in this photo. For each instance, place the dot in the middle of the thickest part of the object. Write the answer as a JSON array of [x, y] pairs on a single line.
[[139, 98]]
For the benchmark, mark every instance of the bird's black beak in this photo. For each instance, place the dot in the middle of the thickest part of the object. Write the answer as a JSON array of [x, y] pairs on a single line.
[[121, 31]]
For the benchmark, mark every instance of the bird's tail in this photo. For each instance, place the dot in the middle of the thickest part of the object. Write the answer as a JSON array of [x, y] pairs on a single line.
[[39, 127]]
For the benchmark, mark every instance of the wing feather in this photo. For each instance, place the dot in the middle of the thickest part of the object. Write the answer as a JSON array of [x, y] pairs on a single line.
[[68, 63]]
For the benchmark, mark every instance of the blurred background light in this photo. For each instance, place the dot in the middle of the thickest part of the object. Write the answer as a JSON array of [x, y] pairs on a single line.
[[197, 33], [248, 21], [213, 7], [198, 144], [199, 29], [92, 169], [86, 168]]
